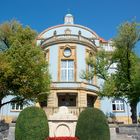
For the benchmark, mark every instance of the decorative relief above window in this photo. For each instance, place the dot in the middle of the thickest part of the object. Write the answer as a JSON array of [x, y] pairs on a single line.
[[67, 63], [67, 31]]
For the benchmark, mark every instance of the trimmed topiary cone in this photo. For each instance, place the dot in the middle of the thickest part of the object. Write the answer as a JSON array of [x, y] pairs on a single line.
[[32, 124], [92, 125]]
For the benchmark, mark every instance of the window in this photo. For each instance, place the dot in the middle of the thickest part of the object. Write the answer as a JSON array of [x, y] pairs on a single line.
[[67, 70], [90, 74], [67, 99], [67, 52], [16, 107], [118, 105], [90, 101]]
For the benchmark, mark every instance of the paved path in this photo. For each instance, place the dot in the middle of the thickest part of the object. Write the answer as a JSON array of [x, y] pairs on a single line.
[[115, 136]]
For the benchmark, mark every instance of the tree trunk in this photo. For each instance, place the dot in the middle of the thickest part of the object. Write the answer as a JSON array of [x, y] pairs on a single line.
[[133, 106]]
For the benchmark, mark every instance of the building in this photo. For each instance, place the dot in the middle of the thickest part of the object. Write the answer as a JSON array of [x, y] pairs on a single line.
[[66, 48]]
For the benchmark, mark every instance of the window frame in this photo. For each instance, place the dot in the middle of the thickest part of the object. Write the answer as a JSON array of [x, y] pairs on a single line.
[[67, 99], [67, 69], [17, 107], [119, 105]]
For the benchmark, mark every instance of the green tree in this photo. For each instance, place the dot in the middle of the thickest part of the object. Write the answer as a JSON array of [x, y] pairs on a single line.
[[23, 68], [124, 81], [92, 125], [127, 73], [32, 124]]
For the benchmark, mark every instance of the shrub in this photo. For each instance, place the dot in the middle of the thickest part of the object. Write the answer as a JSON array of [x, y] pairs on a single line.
[[92, 125], [32, 124]]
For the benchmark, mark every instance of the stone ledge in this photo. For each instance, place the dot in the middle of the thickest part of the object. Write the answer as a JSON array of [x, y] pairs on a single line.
[[132, 130]]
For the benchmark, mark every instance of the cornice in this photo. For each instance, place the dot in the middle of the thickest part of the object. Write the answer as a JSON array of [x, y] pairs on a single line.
[[67, 25], [45, 45]]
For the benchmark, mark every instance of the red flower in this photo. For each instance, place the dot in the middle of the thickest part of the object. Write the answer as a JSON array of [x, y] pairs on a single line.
[[62, 138]]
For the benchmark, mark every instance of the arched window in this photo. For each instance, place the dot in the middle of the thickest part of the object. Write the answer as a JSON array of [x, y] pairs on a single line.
[[118, 105]]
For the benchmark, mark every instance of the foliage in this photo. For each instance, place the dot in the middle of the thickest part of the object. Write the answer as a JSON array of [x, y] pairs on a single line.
[[124, 80], [32, 124], [100, 66], [92, 125], [12, 31], [127, 74], [23, 70]]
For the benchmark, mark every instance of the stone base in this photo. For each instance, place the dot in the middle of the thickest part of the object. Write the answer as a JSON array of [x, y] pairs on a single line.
[[62, 123]]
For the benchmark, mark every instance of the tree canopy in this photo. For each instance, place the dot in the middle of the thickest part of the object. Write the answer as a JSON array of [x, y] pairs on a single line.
[[124, 80], [23, 68]]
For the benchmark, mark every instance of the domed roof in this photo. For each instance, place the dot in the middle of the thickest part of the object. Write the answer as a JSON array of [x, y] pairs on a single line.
[[68, 15], [74, 29]]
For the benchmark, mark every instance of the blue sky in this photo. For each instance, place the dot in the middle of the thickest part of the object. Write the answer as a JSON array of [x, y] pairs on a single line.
[[102, 16]]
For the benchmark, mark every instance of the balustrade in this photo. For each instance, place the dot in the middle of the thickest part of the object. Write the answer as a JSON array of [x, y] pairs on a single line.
[[73, 110], [67, 37]]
